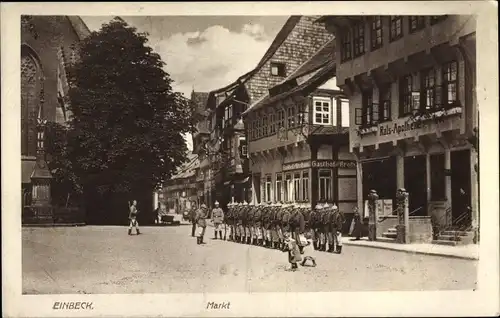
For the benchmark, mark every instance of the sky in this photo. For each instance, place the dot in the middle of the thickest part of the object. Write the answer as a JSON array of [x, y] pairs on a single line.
[[204, 52]]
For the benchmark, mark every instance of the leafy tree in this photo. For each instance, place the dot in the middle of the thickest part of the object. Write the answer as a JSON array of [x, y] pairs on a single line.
[[127, 123]]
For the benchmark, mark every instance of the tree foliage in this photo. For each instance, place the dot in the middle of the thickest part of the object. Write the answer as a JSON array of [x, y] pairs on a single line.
[[127, 124]]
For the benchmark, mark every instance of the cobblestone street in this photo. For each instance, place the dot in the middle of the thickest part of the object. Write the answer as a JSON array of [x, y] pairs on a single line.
[[99, 259]]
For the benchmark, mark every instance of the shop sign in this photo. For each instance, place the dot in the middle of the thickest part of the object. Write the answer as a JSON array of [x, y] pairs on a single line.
[[346, 164], [398, 129], [296, 165]]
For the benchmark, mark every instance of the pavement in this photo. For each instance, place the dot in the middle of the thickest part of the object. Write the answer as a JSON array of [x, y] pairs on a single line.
[[470, 251], [104, 259]]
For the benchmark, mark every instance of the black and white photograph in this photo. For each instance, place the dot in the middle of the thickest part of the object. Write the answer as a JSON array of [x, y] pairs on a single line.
[[265, 153]]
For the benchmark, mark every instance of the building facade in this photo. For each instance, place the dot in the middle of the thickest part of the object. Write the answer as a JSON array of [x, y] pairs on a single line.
[[298, 139], [294, 44], [48, 45], [180, 193], [200, 138], [411, 85]]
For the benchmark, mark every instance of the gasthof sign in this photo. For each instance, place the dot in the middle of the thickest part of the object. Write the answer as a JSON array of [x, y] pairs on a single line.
[[345, 164]]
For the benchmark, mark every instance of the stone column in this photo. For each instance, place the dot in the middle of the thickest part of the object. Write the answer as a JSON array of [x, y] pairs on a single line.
[[400, 170], [403, 227], [372, 215]]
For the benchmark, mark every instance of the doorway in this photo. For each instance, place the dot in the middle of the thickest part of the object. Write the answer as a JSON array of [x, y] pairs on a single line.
[[460, 189], [415, 172], [380, 175]]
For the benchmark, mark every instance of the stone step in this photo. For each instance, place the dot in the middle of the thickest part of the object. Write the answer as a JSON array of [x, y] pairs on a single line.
[[390, 235], [458, 233], [386, 239], [444, 237], [445, 242]]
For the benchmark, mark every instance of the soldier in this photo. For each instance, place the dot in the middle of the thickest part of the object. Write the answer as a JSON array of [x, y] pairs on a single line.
[[133, 218], [285, 225], [250, 223], [257, 222], [201, 215], [338, 222], [266, 225], [227, 221], [192, 218], [217, 220], [297, 225], [237, 222], [325, 227], [243, 216], [274, 225], [315, 224], [331, 229]]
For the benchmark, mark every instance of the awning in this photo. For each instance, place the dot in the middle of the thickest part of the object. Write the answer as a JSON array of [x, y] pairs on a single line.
[[27, 167]]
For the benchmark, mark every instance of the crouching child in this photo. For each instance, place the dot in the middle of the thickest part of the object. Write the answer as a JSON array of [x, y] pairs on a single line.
[[295, 252]]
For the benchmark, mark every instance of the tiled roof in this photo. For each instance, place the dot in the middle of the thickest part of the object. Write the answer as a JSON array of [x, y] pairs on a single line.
[[313, 72], [278, 40], [322, 56], [320, 77]]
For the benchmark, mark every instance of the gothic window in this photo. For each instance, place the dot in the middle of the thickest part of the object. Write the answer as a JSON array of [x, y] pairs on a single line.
[[29, 104]]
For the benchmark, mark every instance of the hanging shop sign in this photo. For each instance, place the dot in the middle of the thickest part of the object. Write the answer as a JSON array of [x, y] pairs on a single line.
[[344, 164]]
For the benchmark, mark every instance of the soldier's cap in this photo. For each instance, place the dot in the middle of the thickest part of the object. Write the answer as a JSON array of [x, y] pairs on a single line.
[[203, 205], [335, 207], [245, 203], [318, 206], [216, 202], [326, 206], [277, 204]]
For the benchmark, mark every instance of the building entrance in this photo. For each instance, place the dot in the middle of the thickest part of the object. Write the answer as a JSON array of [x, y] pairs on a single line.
[[380, 175], [461, 188], [416, 184]]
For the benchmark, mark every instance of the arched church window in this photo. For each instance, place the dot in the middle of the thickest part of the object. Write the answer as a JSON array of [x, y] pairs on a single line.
[[29, 101]]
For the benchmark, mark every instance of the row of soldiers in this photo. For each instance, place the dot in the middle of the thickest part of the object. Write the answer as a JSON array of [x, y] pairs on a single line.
[[268, 224]]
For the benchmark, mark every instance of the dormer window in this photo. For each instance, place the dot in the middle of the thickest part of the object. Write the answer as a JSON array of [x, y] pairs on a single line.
[[278, 69]]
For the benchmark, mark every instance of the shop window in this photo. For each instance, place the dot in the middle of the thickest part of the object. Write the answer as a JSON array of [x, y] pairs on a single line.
[[344, 106], [296, 187], [279, 187], [438, 178], [288, 188], [405, 95], [416, 22], [359, 39], [428, 85], [278, 69], [376, 33], [322, 111], [346, 48], [268, 186], [396, 28], [450, 83], [325, 185], [305, 186]]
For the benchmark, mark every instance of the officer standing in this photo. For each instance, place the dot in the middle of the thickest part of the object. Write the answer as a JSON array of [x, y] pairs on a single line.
[[339, 220], [217, 220], [201, 215], [192, 218], [297, 225]]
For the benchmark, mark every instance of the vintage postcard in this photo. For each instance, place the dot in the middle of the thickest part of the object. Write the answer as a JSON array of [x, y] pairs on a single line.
[[250, 159]]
